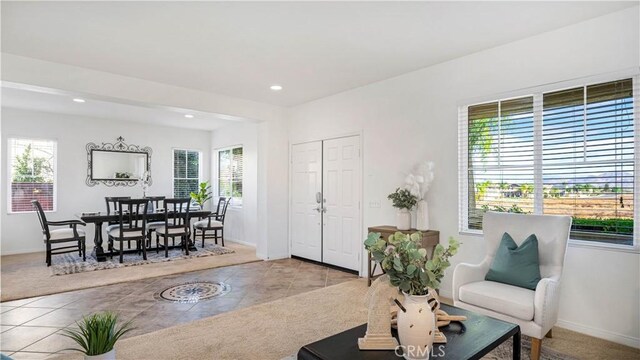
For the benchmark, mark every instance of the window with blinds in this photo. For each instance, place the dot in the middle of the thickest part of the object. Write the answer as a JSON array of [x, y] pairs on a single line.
[[32, 169], [230, 174], [186, 172], [569, 152]]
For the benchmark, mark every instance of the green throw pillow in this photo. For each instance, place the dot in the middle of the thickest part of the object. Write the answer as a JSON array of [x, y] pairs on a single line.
[[516, 265]]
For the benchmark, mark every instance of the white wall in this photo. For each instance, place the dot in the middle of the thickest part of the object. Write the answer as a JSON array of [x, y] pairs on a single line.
[[21, 232], [241, 223], [413, 117]]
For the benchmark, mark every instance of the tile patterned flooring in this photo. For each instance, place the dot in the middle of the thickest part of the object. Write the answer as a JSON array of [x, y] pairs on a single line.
[[30, 327]]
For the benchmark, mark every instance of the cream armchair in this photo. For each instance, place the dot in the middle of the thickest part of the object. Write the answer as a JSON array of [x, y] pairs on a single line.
[[535, 311]]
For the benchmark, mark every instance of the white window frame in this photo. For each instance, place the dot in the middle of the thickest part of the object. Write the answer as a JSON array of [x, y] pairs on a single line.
[[537, 92], [173, 178], [11, 155], [237, 202]]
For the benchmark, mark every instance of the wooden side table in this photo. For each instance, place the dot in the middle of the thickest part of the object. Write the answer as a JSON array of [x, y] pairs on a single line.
[[430, 239]]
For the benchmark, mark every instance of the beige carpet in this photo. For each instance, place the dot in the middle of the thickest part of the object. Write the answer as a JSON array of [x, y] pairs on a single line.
[[26, 275], [277, 330]]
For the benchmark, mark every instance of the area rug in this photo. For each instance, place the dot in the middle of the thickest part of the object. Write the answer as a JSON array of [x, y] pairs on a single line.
[[272, 330], [26, 275], [71, 263]]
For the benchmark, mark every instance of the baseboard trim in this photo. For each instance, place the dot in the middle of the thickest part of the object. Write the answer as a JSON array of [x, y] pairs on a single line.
[[278, 256], [599, 333], [240, 242], [27, 251]]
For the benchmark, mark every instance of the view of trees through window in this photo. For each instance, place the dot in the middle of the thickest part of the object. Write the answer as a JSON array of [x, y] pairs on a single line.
[[32, 174], [230, 173], [579, 163], [186, 172]]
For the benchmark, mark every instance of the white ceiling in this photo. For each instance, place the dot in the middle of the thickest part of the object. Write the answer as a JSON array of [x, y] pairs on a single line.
[[313, 49], [55, 101]]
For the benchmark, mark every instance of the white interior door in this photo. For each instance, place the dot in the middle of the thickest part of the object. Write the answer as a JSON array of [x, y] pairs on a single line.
[[341, 241], [306, 182]]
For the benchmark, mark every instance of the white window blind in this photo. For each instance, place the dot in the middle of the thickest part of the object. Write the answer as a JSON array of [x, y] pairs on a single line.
[[230, 173], [570, 152], [32, 169], [186, 172]]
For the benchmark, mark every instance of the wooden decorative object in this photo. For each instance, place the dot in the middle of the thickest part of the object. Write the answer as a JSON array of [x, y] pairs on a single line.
[[378, 335], [442, 318]]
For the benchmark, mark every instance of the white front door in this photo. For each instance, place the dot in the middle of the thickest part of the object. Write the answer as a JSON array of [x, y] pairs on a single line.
[[306, 218], [342, 242]]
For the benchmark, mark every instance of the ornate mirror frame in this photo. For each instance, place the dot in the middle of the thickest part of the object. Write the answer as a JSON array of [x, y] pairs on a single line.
[[118, 146]]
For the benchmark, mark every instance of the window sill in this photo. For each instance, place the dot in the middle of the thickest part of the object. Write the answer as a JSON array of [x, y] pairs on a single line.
[[577, 243]]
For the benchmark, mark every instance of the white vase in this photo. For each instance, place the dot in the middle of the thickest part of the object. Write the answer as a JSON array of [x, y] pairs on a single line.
[[403, 219], [416, 327], [422, 215], [111, 355]]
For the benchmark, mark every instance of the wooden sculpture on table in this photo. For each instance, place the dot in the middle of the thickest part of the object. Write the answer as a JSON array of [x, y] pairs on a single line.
[[442, 318], [379, 298]]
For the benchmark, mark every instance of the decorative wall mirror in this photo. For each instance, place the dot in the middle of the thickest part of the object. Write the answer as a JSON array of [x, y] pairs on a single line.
[[118, 164]]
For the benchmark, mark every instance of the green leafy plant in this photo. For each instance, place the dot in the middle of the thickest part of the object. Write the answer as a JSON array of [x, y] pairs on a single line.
[[203, 194], [403, 199], [97, 333], [405, 261], [30, 168]]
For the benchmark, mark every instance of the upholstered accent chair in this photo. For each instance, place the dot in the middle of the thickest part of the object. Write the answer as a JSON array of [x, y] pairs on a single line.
[[536, 312], [213, 223], [70, 234]]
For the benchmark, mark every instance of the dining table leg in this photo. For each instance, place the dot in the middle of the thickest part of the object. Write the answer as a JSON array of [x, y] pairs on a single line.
[[98, 251]]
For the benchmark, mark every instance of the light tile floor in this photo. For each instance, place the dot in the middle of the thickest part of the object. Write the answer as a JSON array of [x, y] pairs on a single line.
[[30, 327]]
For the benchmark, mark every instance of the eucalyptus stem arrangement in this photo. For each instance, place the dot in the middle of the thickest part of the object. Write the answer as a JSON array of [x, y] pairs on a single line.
[[97, 333], [405, 261], [403, 199]]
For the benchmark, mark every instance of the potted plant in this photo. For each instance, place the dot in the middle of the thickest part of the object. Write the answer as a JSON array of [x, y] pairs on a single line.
[[97, 335], [404, 201], [203, 194], [405, 262]]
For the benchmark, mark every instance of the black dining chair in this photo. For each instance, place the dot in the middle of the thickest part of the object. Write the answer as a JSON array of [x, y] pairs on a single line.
[[132, 221], [214, 222], [156, 203], [58, 236], [112, 207], [176, 224]]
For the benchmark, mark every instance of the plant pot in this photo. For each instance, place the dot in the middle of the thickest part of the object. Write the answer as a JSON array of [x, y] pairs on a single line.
[[416, 327], [111, 355], [422, 215], [403, 219]]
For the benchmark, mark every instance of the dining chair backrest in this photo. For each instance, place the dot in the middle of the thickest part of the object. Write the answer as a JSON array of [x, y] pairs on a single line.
[[155, 202], [221, 215], [41, 217], [176, 213], [112, 202], [132, 215], [221, 201]]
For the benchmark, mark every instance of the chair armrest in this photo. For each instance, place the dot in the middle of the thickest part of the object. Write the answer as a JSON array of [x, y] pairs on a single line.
[[546, 303], [66, 222], [468, 273]]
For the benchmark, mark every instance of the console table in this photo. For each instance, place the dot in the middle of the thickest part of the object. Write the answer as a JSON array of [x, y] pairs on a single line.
[[430, 239]]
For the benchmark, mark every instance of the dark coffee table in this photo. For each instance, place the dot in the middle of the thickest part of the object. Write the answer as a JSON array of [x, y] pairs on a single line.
[[479, 335]]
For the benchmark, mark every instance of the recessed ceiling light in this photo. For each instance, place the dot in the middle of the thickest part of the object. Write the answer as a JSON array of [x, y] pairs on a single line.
[[188, 116], [276, 87], [78, 100]]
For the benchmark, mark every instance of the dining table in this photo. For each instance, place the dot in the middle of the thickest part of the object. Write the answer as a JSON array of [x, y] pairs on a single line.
[[98, 218]]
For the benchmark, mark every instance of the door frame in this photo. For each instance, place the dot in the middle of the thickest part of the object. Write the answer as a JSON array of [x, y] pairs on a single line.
[[361, 270]]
